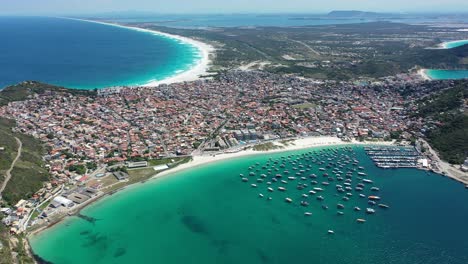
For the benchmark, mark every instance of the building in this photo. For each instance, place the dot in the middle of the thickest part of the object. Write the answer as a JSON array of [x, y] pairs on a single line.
[[464, 166], [120, 175], [61, 201], [78, 198], [137, 164]]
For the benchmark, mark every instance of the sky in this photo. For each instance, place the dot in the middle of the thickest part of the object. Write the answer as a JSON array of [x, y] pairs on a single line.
[[64, 7]]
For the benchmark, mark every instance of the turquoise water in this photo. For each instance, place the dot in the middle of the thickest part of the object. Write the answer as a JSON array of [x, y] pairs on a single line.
[[208, 215], [86, 55], [447, 74], [454, 44]]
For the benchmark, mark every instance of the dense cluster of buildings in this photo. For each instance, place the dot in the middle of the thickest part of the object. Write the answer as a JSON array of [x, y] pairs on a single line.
[[133, 124]]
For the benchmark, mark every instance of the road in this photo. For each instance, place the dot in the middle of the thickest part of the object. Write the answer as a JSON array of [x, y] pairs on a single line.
[[8, 173]]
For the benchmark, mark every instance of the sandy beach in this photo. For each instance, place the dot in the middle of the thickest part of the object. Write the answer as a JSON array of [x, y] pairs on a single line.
[[423, 74], [200, 67], [295, 144]]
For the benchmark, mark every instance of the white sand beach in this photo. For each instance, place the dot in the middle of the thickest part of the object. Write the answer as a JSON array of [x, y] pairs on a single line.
[[423, 74], [200, 67], [296, 144]]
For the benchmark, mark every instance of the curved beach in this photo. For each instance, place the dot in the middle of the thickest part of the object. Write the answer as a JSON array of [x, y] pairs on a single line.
[[200, 66], [217, 218]]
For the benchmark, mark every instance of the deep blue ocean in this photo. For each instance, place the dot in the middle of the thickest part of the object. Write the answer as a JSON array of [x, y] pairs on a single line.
[[86, 55]]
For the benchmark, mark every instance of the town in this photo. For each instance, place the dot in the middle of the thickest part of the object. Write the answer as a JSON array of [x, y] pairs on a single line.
[[122, 128]]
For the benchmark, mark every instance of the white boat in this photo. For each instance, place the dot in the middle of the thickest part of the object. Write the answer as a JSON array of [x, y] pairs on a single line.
[[281, 189], [253, 185], [270, 189], [331, 232], [370, 210], [288, 200], [260, 195], [318, 189], [307, 213], [367, 181]]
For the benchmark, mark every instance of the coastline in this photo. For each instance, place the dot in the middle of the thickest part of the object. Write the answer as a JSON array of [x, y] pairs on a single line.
[[292, 144], [299, 143], [424, 75], [198, 68]]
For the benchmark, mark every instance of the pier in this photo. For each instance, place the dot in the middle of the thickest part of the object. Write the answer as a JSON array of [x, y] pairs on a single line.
[[393, 157]]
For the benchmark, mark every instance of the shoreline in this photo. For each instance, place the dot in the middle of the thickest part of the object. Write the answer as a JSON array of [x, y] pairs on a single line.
[[299, 143], [424, 75], [199, 67], [293, 144]]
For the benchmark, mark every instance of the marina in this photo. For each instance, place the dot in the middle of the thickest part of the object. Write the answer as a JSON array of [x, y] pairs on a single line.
[[393, 157]]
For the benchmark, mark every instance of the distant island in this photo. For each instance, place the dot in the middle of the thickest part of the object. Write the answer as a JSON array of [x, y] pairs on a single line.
[[357, 14]]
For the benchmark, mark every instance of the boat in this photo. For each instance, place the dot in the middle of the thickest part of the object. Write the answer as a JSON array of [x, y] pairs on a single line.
[[253, 185], [283, 181], [260, 195], [325, 183], [304, 203], [270, 189], [281, 189], [362, 195], [245, 179], [318, 189], [320, 198], [324, 207], [370, 210], [340, 206], [345, 198], [291, 178], [367, 181], [288, 200], [305, 195], [340, 213], [372, 197], [384, 206], [375, 189], [259, 180], [307, 213], [357, 208], [331, 232], [360, 220]]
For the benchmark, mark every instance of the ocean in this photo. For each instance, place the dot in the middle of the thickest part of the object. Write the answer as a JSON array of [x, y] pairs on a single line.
[[86, 55], [447, 74], [209, 215]]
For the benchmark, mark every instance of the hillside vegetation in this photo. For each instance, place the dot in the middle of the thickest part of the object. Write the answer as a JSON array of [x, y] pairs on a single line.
[[29, 172], [25, 90], [446, 109]]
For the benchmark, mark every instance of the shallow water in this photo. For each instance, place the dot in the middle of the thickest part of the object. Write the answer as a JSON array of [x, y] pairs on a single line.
[[447, 74], [208, 215]]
